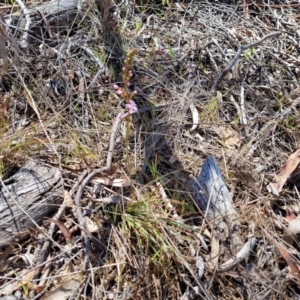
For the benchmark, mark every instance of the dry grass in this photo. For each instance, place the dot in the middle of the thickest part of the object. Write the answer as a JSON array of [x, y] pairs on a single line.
[[58, 107]]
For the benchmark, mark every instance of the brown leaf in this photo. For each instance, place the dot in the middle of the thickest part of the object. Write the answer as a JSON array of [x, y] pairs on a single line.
[[63, 229], [66, 289], [117, 182], [29, 101], [294, 227], [195, 115], [91, 226], [289, 260], [290, 233], [230, 137], [289, 215], [284, 173], [295, 272], [215, 252], [14, 285]]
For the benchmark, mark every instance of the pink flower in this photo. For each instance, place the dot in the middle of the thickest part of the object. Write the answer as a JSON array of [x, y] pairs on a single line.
[[119, 92], [131, 106], [116, 87]]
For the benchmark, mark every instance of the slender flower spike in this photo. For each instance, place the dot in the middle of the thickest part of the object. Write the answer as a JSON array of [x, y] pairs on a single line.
[[124, 93], [131, 106]]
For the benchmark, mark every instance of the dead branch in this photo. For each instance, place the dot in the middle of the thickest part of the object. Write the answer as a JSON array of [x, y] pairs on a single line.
[[237, 56], [23, 42], [26, 198], [212, 196], [80, 218]]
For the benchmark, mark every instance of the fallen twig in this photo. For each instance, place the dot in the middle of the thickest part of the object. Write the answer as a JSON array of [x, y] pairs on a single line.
[[239, 257], [23, 42], [237, 108], [79, 193], [243, 114], [278, 6], [237, 56], [46, 22], [43, 253]]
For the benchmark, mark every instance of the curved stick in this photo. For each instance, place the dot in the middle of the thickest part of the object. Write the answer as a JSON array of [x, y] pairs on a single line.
[[237, 56]]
